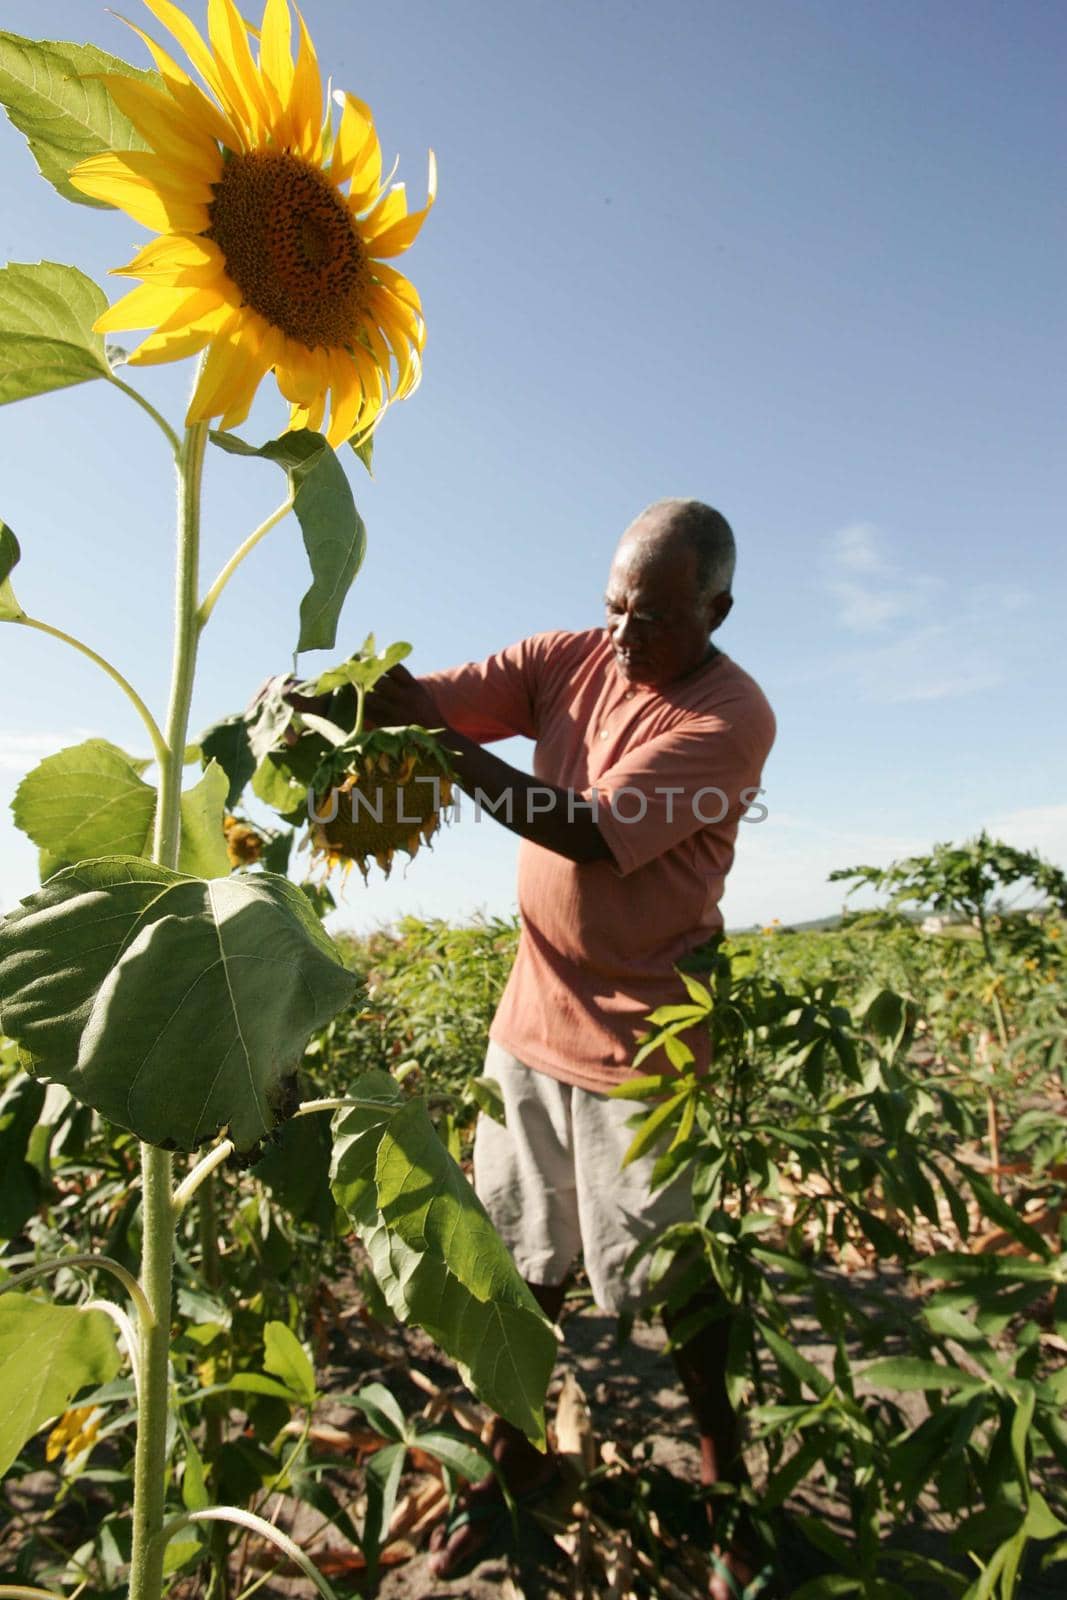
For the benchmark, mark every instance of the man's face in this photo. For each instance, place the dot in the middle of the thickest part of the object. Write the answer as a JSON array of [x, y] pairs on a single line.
[[657, 625]]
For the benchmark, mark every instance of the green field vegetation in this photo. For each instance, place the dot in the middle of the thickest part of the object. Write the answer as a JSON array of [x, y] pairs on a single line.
[[886, 1105]]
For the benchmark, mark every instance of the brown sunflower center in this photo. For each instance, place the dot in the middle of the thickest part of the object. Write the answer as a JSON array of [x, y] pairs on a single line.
[[291, 246]]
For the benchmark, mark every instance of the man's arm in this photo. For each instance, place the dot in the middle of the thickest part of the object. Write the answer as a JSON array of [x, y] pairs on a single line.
[[551, 817]]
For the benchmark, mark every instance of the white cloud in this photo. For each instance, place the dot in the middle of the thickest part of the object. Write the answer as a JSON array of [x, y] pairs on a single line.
[[19, 751], [871, 592], [920, 646]]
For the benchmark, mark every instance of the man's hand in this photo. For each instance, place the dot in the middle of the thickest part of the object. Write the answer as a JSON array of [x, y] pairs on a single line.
[[398, 700]]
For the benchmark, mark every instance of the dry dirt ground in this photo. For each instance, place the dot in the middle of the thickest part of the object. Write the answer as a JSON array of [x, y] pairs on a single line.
[[647, 1529], [636, 1417]]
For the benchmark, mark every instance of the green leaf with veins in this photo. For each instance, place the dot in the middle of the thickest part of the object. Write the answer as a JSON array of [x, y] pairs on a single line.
[[10, 610], [203, 843], [90, 800], [334, 535], [288, 1361], [434, 1252], [364, 668], [227, 742], [47, 341], [51, 91], [47, 1353], [172, 1005]]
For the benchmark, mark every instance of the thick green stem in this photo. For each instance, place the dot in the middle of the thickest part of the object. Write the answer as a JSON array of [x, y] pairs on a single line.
[[158, 746], [167, 842], [150, 1461], [158, 1212]]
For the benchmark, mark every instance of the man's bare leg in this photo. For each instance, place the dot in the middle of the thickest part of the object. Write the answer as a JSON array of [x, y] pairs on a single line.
[[524, 1470], [701, 1365]]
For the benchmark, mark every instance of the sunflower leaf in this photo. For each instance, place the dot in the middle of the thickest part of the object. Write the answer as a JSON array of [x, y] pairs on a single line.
[[90, 800], [434, 1253], [10, 610], [51, 91], [334, 534], [47, 1353], [172, 1005], [47, 342]]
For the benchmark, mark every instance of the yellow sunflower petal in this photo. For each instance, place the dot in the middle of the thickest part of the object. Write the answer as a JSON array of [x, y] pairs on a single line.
[[179, 27], [152, 305], [275, 51], [404, 290], [393, 240], [306, 99], [175, 345], [297, 373], [357, 155], [346, 399], [234, 64], [111, 178], [191, 101], [230, 375], [152, 114], [176, 258]]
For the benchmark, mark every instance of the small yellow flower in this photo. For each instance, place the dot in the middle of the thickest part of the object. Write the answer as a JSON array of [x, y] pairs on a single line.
[[274, 228], [74, 1433]]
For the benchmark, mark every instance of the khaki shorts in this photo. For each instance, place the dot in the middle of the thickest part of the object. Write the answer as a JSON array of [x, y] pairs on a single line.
[[551, 1182]]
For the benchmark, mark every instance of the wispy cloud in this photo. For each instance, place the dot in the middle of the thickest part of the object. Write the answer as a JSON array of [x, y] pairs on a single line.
[[872, 591], [19, 751], [923, 641]]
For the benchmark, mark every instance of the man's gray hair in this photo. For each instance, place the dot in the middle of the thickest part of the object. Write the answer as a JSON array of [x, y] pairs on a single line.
[[705, 530]]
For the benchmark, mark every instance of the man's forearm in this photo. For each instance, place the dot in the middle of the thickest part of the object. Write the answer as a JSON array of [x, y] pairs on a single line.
[[551, 817]]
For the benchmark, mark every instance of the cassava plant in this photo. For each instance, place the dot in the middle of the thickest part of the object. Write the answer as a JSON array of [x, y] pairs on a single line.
[[169, 993]]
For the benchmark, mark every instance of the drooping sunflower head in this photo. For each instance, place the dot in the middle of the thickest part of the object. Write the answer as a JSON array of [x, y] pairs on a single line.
[[383, 792], [274, 228]]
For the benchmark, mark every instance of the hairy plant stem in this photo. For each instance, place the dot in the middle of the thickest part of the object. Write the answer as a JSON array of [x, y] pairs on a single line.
[[158, 1212]]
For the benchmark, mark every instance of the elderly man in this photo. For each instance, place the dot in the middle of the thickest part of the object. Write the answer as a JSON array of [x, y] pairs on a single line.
[[649, 746]]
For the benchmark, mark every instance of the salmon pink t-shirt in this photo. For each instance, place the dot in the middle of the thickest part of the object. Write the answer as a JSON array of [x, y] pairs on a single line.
[[671, 770]]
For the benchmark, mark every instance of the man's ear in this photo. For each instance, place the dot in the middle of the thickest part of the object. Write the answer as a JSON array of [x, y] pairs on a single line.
[[719, 610]]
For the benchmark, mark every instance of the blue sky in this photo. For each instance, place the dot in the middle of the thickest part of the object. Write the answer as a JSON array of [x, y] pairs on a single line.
[[804, 261]]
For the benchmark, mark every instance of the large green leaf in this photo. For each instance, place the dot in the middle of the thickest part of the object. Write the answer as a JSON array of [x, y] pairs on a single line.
[[47, 1353], [227, 742], [437, 1257], [10, 610], [47, 341], [90, 800], [173, 1005], [334, 535], [20, 1184], [87, 800], [51, 91], [203, 847]]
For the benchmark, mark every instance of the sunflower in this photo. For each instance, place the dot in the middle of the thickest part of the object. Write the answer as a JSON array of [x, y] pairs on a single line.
[[274, 228], [383, 791]]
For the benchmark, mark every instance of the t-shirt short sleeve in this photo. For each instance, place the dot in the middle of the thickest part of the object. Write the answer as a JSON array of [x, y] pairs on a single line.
[[490, 699], [672, 787]]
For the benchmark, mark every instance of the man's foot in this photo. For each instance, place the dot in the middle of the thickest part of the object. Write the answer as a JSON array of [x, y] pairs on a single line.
[[481, 1511]]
